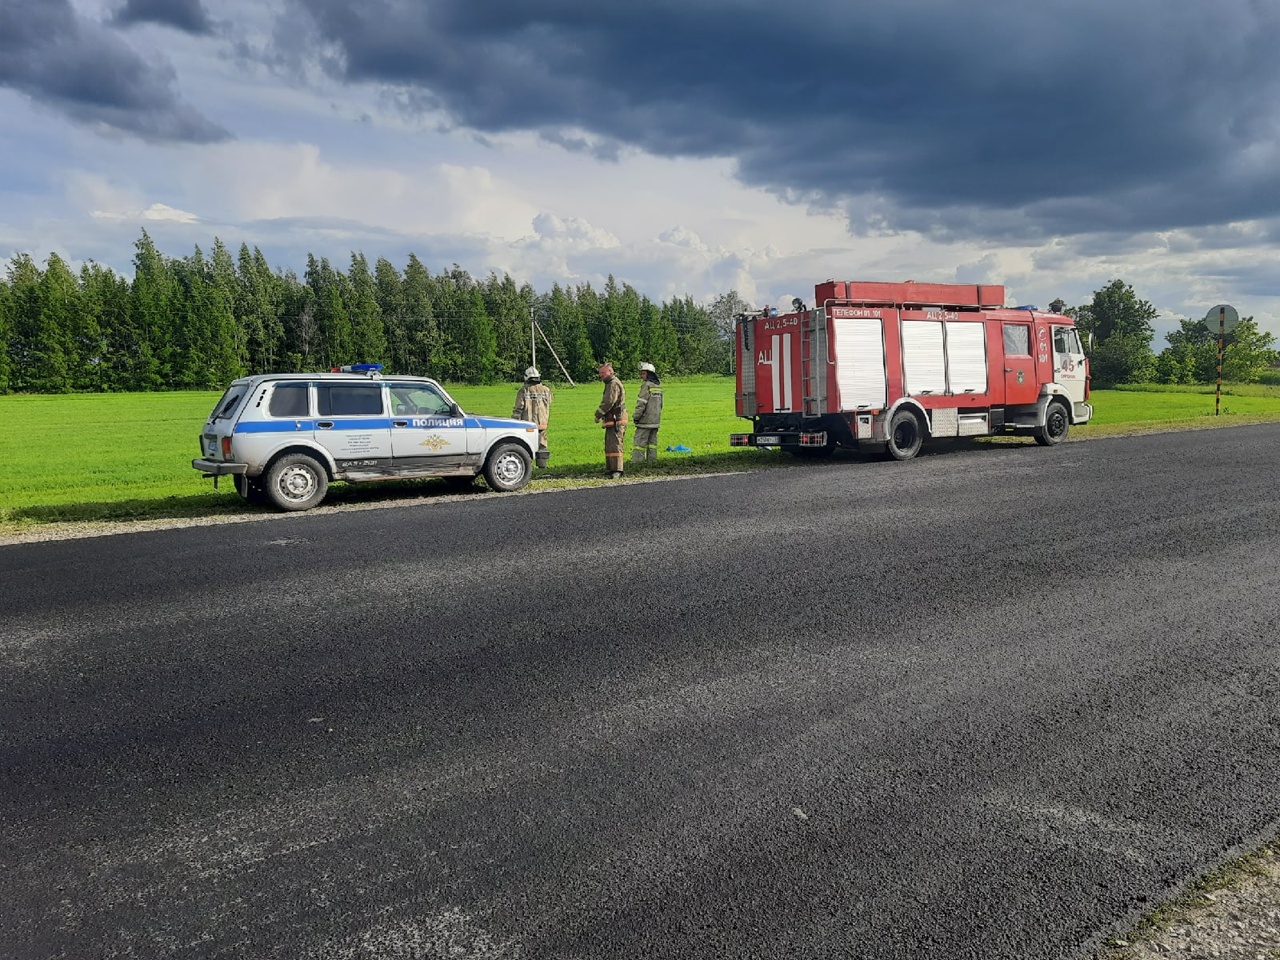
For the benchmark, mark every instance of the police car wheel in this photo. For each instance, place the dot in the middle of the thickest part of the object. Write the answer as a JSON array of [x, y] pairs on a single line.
[[509, 468], [296, 482]]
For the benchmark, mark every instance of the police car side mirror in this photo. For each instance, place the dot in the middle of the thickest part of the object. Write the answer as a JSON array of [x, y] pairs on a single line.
[[455, 410]]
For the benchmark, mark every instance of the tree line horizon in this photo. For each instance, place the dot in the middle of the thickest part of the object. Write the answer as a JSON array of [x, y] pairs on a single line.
[[199, 322]]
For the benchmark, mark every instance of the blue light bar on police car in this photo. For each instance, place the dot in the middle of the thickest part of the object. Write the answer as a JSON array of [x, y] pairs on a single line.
[[358, 368]]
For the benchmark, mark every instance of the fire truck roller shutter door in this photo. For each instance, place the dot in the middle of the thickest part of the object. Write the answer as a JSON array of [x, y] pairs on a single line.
[[966, 357], [923, 358], [858, 349]]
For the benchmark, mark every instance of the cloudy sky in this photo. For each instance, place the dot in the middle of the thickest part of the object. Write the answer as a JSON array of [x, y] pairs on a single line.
[[686, 146]]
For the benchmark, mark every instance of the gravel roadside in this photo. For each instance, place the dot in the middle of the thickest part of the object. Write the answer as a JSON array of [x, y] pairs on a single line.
[[1232, 914]]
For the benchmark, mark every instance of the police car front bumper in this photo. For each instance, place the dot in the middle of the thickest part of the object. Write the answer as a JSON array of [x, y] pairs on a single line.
[[218, 468]]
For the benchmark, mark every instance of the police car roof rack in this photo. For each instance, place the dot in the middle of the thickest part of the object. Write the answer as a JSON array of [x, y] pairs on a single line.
[[370, 369]]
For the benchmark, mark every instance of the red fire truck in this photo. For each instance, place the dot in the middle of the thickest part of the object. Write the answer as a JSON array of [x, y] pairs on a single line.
[[886, 366]]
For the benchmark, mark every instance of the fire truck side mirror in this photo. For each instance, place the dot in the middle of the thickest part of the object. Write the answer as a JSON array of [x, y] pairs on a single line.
[[1089, 343]]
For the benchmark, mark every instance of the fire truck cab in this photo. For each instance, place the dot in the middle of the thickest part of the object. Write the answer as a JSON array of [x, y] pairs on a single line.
[[887, 366]]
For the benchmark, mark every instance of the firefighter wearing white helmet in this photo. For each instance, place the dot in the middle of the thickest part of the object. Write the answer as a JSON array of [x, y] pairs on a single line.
[[648, 416], [533, 403]]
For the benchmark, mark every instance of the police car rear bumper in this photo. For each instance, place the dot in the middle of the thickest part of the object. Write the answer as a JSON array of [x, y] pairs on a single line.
[[217, 468]]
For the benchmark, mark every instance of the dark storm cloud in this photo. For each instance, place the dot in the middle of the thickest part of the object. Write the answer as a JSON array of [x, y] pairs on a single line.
[[991, 117], [187, 15], [77, 66]]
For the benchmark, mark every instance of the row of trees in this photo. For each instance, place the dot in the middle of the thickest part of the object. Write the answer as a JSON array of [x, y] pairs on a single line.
[[1121, 324], [200, 321]]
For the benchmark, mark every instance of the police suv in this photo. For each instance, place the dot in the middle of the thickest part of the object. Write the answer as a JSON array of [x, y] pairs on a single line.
[[283, 437]]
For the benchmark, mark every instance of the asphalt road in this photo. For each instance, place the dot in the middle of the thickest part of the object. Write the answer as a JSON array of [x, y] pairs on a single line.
[[991, 703]]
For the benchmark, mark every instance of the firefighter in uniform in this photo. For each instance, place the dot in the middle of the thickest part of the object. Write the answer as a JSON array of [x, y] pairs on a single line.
[[612, 415], [533, 403], [648, 416]]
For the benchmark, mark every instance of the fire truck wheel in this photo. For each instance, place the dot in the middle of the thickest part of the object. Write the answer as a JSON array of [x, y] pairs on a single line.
[[904, 435], [296, 482], [1056, 425]]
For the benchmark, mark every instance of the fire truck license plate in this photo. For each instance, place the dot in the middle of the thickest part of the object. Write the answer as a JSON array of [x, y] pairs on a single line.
[[767, 439]]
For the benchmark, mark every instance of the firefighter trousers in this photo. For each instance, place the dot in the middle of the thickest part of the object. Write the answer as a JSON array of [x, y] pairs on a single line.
[[644, 445], [614, 435]]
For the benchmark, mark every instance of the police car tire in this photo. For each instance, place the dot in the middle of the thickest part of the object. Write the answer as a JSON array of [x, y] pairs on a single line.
[[303, 475], [905, 435], [509, 468]]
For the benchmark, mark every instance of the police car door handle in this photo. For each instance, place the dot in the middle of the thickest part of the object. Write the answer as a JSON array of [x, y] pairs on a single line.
[[400, 423], [325, 424]]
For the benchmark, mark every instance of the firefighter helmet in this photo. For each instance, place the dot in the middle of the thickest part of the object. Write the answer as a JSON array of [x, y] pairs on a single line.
[[532, 374], [649, 367]]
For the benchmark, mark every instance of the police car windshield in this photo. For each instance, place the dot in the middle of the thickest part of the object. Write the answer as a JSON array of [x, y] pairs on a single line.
[[227, 404]]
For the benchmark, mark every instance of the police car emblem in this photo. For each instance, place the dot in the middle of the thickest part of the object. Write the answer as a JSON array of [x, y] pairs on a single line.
[[434, 442]]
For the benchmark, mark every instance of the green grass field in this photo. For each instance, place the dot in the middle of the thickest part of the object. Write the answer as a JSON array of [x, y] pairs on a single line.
[[1156, 404], [89, 457], [85, 457]]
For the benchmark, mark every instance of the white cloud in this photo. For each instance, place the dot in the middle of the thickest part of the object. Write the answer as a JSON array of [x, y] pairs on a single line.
[[162, 211], [153, 213], [680, 236], [572, 234]]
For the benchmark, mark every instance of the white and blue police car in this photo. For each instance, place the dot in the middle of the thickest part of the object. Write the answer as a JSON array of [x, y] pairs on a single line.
[[284, 437]]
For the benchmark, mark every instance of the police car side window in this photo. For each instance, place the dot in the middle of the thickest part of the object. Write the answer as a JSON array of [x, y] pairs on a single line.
[[431, 402], [419, 399], [289, 400], [403, 400], [349, 400]]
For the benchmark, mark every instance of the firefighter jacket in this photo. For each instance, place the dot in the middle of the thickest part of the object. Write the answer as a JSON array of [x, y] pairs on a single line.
[[533, 402], [648, 406], [613, 406]]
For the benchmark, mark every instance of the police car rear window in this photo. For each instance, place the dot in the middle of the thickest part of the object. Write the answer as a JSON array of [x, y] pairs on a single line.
[[289, 400], [227, 405], [348, 400]]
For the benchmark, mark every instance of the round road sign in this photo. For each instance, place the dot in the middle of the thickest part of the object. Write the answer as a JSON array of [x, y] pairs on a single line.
[[1223, 315]]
